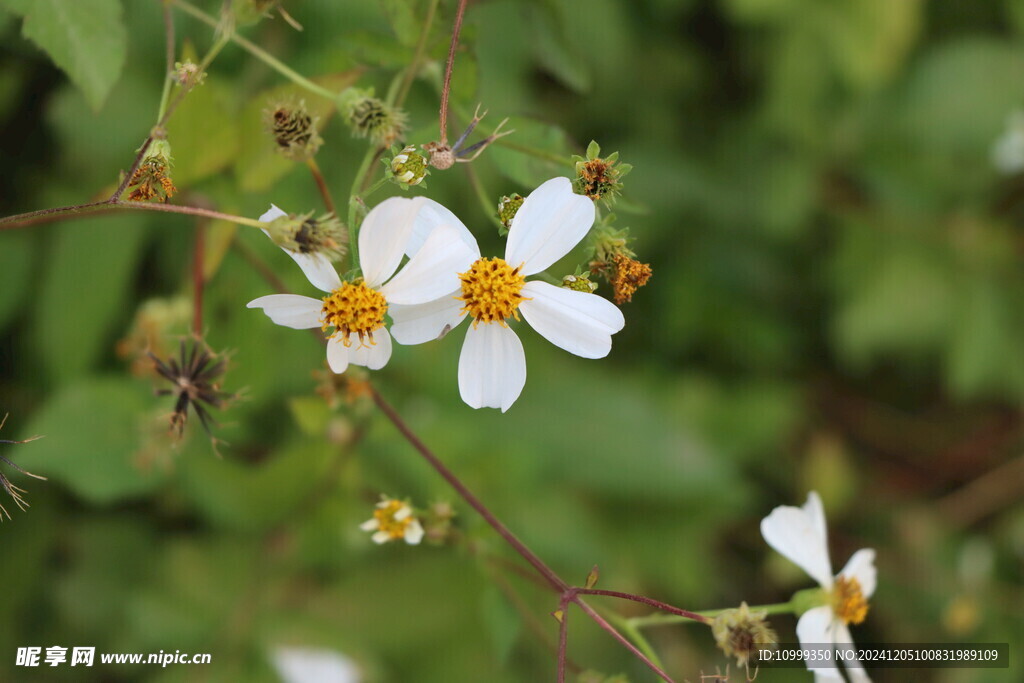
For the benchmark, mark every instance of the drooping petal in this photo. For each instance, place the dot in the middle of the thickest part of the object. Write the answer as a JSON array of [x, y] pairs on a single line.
[[272, 214], [794, 533], [337, 355], [551, 221], [429, 216], [318, 269], [580, 323], [382, 238], [861, 566], [414, 532], [816, 629], [381, 537], [370, 524], [290, 310], [433, 271], [854, 669], [425, 322], [372, 356], [492, 367]]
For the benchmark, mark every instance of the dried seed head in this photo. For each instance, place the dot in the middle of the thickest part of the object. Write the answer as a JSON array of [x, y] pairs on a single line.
[[371, 117], [741, 633], [293, 130], [627, 276], [304, 234], [10, 489], [194, 377], [597, 177], [152, 179], [441, 156]]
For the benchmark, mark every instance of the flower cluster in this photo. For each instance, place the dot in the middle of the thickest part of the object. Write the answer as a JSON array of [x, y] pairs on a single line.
[[446, 280]]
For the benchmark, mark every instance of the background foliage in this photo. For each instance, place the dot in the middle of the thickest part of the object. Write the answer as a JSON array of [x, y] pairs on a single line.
[[836, 305]]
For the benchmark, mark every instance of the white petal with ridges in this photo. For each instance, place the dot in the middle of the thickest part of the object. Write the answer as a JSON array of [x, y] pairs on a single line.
[[372, 356], [795, 533], [337, 355], [433, 271], [290, 310], [492, 367], [580, 323], [272, 214], [318, 269], [430, 215], [425, 322], [861, 566], [551, 221], [382, 238]]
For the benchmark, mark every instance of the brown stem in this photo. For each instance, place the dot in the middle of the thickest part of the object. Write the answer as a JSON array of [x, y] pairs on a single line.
[[321, 185], [127, 176], [447, 87], [665, 607], [563, 637], [64, 212], [552, 578], [198, 278]]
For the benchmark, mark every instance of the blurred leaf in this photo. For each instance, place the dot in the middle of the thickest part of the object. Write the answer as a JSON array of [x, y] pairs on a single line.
[[870, 39], [16, 260], [203, 133], [403, 20], [311, 414], [91, 435], [87, 278], [219, 237], [983, 358], [259, 165], [502, 621], [86, 39], [521, 166]]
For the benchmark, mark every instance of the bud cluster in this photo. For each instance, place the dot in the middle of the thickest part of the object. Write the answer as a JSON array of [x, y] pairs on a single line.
[[408, 167]]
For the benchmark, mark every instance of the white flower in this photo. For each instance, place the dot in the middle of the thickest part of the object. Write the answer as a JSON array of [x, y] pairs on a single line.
[[492, 366], [314, 665], [355, 311], [800, 535], [1008, 150], [392, 520]]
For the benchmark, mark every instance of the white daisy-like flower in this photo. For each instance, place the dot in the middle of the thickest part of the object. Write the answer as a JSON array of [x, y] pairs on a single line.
[[492, 366], [392, 520], [353, 313], [800, 535]]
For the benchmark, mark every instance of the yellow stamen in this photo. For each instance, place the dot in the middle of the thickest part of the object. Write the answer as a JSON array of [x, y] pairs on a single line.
[[490, 290], [848, 601], [388, 518], [354, 309]]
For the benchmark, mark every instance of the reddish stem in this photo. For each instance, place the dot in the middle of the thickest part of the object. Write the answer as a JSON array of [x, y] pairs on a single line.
[[647, 601], [563, 637], [446, 89]]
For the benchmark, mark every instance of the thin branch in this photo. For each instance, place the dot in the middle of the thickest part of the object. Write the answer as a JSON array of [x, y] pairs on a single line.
[[79, 210], [603, 623], [563, 637], [665, 607], [321, 185], [447, 86]]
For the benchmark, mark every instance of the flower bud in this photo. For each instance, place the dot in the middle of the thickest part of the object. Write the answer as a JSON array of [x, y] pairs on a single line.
[[409, 167], [508, 206], [369, 116], [187, 74], [293, 129], [580, 282], [741, 633]]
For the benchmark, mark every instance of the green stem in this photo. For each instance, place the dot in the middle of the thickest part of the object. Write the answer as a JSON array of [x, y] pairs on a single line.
[[483, 197], [667, 619], [353, 204], [258, 52], [634, 634]]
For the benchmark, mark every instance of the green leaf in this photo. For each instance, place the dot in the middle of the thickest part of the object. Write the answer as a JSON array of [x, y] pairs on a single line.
[[91, 436], [15, 264], [503, 623], [403, 21], [85, 38], [203, 133], [515, 161]]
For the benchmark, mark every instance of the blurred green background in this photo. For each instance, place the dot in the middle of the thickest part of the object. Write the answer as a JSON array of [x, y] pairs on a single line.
[[836, 305]]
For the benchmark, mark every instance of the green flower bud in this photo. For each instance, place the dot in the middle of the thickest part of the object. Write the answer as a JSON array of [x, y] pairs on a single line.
[[508, 206], [409, 167], [579, 283]]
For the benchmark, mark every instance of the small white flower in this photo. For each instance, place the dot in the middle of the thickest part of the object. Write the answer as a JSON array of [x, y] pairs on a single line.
[[356, 310], [393, 519], [492, 366], [314, 665], [800, 535], [1008, 150]]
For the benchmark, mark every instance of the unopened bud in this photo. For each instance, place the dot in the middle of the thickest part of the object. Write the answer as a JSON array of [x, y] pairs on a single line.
[[508, 206], [579, 283], [187, 74], [409, 167], [293, 129]]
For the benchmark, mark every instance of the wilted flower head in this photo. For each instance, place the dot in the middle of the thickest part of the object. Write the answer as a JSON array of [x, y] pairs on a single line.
[[10, 489], [392, 520], [152, 179], [741, 632], [616, 262], [293, 130], [187, 74], [194, 377], [369, 116], [599, 178], [626, 276], [408, 167]]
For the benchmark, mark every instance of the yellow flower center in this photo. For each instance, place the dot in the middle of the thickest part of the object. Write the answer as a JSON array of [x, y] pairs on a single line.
[[354, 309], [394, 518], [490, 290], [848, 601]]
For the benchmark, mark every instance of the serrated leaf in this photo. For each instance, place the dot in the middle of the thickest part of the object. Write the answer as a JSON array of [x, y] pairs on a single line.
[[91, 435], [85, 38]]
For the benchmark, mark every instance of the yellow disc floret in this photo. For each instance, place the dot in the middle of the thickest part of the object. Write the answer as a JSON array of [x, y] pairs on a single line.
[[848, 601], [490, 290], [393, 518], [354, 309]]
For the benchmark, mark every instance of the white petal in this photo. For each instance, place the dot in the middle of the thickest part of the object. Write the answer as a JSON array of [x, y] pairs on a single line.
[[854, 669], [370, 524], [551, 221], [816, 513], [433, 271], [413, 533], [402, 513], [318, 269], [382, 238], [795, 533], [425, 322], [290, 310], [381, 537], [302, 665], [861, 566], [429, 216], [337, 355], [492, 367], [578, 322], [816, 628], [372, 356], [272, 214]]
